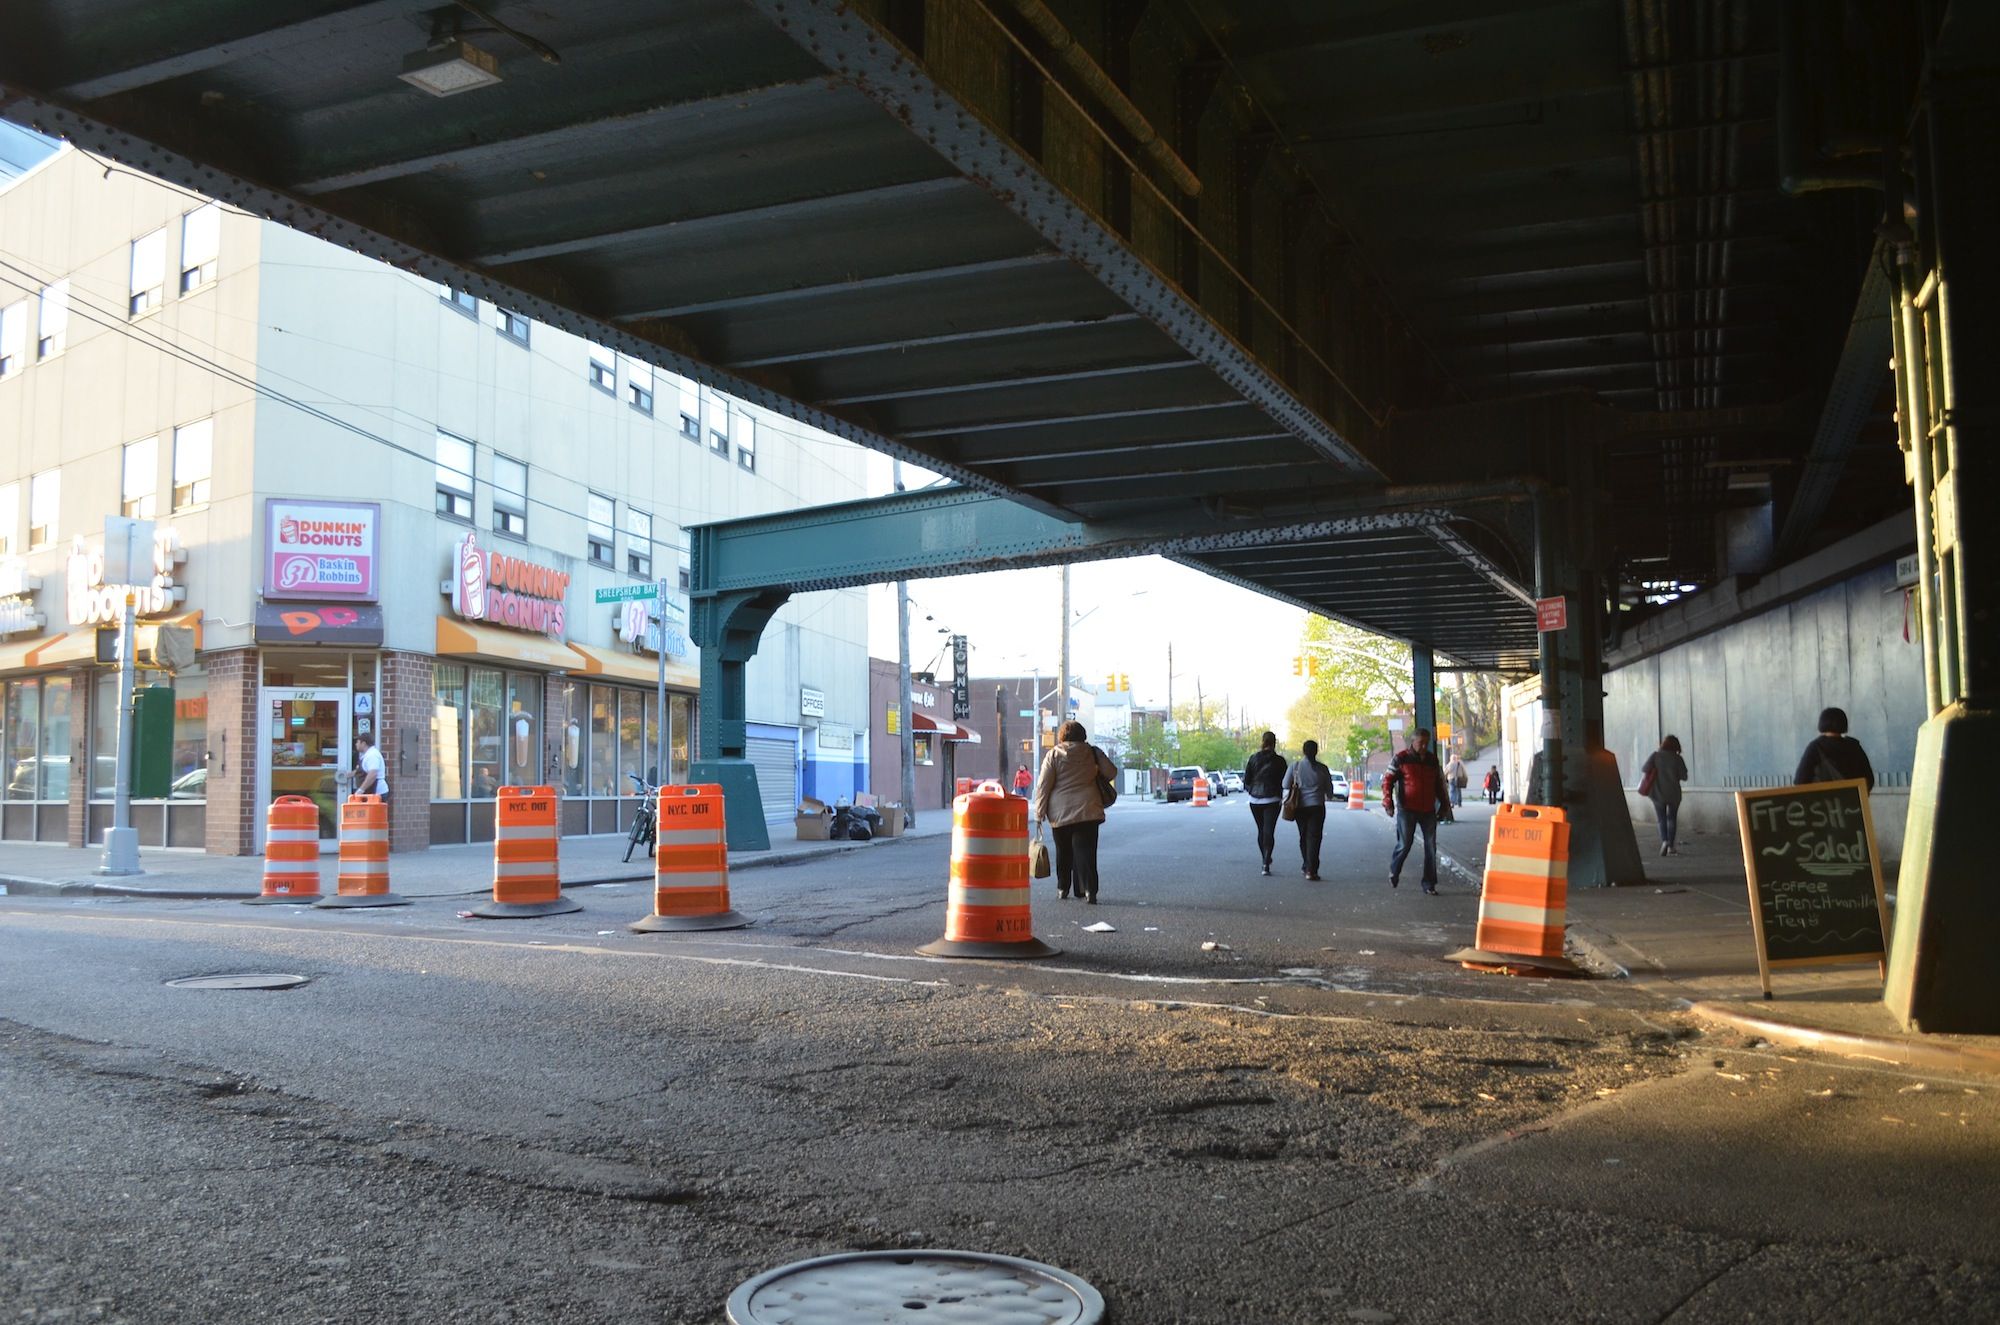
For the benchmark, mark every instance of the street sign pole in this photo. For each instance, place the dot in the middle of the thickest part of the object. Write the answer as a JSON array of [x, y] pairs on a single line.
[[664, 737], [121, 842]]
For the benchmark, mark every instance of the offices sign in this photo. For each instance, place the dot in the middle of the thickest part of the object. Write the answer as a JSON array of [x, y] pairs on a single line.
[[321, 549]]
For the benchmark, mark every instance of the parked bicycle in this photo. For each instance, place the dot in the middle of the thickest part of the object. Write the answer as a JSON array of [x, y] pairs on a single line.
[[645, 823]]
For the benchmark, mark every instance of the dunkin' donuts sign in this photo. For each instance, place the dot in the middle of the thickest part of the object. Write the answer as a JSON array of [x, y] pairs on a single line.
[[320, 550], [505, 590]]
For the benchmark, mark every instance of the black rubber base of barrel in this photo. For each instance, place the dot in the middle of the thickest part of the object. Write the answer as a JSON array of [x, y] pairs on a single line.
[[968, 948], [658, 924], [340, 900], [284, 899], [524, 910], [1480, 959]]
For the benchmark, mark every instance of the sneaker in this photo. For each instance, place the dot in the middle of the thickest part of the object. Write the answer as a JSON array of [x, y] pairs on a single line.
[[1394, 881], [1267, 871], [1431, 890], [1666, 850]]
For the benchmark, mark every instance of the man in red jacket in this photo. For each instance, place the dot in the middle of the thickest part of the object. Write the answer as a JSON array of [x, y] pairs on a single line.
[[1412, 792]]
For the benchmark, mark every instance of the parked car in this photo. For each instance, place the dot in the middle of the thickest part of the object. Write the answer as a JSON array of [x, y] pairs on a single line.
[[1180, 782], [1232, 781], [1339, 792]]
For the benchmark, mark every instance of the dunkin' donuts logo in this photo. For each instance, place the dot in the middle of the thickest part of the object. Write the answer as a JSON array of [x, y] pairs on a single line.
[[491, 586]]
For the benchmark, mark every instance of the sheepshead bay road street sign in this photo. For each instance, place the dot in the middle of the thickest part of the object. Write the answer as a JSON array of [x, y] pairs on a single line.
[[625, 593]]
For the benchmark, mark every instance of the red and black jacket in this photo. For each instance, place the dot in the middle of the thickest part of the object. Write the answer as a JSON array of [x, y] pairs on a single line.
[[1416, 781]]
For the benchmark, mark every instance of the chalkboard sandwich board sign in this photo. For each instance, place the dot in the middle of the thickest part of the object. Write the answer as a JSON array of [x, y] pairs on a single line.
[[1815, 878]]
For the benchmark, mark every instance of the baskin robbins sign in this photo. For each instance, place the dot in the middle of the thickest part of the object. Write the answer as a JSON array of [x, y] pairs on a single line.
[[506, 590], [321, 550]]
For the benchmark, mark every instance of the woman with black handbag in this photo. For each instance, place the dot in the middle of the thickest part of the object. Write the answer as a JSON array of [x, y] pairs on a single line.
[[1076, 783], [1264, 780], [1310, 782]]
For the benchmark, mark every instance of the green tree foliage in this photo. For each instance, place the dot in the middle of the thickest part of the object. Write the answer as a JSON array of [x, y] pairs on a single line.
[[1214, 750], [1151, 747]]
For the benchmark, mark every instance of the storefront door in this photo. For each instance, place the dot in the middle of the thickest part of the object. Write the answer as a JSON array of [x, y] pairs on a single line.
[[305, 753]]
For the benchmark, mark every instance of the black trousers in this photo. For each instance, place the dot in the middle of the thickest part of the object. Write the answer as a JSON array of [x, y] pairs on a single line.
[[1267, 827], [1076, 858], [1312, 827]]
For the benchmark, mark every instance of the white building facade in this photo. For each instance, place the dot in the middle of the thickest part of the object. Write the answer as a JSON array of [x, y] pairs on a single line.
[[382, 509]]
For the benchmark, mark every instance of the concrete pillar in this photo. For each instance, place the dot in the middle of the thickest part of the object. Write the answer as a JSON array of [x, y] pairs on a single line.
[[1941, 971], [1423, 679], [233, 749], [406, 699]]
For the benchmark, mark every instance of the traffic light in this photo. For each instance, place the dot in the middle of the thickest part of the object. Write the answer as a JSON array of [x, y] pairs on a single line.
[[1114, 681], [1298, 665]]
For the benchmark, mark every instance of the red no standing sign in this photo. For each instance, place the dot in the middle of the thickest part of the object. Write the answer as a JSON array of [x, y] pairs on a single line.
[[1551, 614]]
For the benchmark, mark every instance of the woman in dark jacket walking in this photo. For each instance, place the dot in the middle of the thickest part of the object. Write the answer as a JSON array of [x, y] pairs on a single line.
[[1833, 755], [1264, 780], [1662, 775], [1068, 801]]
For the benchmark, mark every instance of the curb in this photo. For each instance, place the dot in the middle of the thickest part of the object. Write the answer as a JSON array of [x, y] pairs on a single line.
[[1930, 1054]]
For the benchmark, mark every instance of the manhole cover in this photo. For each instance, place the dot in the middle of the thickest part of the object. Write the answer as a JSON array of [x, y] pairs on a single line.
[[909, 1287], [249, 980]]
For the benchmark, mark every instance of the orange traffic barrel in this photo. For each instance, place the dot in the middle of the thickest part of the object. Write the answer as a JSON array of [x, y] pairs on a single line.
[[364, 855], [1525, 898], [1201, 791], [690, 864], [1357, 794], [986, 909], [291, 852], [527, 864]]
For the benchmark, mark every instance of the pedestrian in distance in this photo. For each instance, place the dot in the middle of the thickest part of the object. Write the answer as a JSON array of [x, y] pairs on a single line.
[[1833, 755], [1022, 781], [1264, 781], [1493, 785], [374, 780], [1069, 801], [1413, 794], [1454, 776], [1660, 779], [1314, 781]]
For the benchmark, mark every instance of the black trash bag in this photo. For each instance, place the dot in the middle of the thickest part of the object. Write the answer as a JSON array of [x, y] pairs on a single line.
[[859, 832]]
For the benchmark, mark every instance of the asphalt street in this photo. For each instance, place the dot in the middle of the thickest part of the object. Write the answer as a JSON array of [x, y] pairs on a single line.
[[1316, 1119]]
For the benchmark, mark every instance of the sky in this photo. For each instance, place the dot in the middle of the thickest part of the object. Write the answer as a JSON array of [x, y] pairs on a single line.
[[1229, 642]]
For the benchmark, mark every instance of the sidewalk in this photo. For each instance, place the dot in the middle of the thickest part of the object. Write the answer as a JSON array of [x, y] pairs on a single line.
[[36, 869], [1686, 932]]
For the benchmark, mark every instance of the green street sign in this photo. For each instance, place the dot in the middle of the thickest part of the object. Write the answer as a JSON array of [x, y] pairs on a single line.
[[624, 593]]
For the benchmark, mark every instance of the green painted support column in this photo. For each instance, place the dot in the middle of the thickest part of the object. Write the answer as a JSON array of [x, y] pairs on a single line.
[[727, 628], [1942, 975], [1423, 679]]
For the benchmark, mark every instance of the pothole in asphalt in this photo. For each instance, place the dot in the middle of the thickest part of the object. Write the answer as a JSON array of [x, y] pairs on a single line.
[[882, 1287], [241, 980]]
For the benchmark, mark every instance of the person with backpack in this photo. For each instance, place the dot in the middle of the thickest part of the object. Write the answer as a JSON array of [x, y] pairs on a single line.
[[1413, 794], [1492, 784], [1077, 781], [1660, 780], [1312, 782], [1264, 781], [1833, 755]]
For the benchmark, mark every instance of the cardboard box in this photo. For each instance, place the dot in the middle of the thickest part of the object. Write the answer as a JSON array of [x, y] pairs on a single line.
[[892, 820], [814, 821]]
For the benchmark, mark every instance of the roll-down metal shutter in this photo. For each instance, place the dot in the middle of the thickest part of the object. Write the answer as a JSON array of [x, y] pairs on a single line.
[[777, 775]]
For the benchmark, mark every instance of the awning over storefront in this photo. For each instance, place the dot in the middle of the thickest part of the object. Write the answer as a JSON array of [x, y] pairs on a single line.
[[617, 665], [19, 655], [462, 639], [80, 645], [946, 731]]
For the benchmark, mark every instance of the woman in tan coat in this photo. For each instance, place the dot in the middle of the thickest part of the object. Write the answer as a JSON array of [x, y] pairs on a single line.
[[1068, 801]]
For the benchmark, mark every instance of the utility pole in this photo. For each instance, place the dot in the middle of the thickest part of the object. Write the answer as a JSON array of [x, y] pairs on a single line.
[[905, 720], [1200, 707], [1170, 680], [1000, 735], [1062, 682], [121, 841]]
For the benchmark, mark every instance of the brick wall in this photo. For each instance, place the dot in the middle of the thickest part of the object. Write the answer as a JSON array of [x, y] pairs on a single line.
[[405, 696], [232, 750], [80, 768]]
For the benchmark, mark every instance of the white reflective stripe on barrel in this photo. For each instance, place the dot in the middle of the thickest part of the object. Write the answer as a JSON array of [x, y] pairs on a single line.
[[524, 869], [989, 846], [291, 835], [691, 879], [517, 832], [364, 867], [689, 837], [364, 835], [966, 895], [1515, 913], [1533, 866]]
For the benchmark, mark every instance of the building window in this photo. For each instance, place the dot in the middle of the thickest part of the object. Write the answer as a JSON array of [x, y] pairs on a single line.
[[52, 331], [10, 517], [600, 515], [149, 271], [603, 369], [13, 337], [513, 326], [462, 300], [194, 447], [35, 752], [44, 501], [746, 443], [639, 385], [201, 243], [510, 497], [638, 543], [685, 579], [448, 733], [691, 412], [139, 486], [454, 477], [718, 424]]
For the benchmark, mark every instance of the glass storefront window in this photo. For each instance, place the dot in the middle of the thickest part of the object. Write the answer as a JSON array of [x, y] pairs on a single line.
[[448, 733], [631, 756], [575, 720], [680, 711], [651, 772], [484, 701], [104, 737], [305, 671], [524, 730], [190, 737], [55, 738], [24, 729], [603, 743]]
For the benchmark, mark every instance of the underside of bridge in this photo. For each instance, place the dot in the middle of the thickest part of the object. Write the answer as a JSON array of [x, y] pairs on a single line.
[[1174, 265]]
